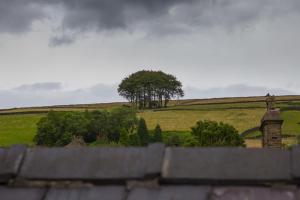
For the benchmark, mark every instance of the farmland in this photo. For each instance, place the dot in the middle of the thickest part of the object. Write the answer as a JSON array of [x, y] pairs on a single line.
[[19, 125]]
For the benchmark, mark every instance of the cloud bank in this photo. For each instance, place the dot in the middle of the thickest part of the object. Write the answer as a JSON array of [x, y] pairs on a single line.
[[238, 90], [155, 17], [44, 94]]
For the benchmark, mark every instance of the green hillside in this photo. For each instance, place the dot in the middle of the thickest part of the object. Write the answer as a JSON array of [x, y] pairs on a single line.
[[19, 125]]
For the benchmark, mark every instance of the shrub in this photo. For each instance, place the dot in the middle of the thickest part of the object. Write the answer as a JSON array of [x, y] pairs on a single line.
[[174, 140], [191, 142], [210, 133]]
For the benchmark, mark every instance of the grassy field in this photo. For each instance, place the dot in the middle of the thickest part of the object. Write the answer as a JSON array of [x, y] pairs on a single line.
[[18, 129], [291, 124], [183, 120], [243, 113]]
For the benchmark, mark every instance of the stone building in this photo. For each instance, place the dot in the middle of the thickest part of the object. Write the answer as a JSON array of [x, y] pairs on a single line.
[[271, 125]]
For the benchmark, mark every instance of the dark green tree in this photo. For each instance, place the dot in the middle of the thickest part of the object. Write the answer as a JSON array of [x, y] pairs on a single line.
[[210, 133], [143, 133], [134, 140], [157, 135], [98, 125], [150, 89], [49, 129], [121, 119], [57, 129]]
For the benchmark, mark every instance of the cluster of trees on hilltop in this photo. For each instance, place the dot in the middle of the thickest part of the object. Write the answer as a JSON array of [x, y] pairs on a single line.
[[150, 89]]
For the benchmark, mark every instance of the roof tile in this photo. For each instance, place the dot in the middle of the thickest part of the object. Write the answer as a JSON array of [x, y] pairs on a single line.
[[87, 193], [9, 193], [88, 163], [10, 160], [170, 193], [252, 193], [226, 164], [296, 162]]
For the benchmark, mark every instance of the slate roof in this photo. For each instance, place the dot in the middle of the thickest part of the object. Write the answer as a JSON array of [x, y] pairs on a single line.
[[155, 172]]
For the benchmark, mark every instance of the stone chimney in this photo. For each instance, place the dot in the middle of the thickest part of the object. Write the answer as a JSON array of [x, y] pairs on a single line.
[[271, 125]]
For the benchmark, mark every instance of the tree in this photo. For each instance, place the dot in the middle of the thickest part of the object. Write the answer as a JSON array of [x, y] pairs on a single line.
[[121, 119], [157, 135], [150, 89], [210, 133], [57, 129], [98, 125], [143, 133]]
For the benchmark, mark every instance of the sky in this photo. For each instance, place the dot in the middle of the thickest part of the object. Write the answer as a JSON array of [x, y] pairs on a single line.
[[78, 51]]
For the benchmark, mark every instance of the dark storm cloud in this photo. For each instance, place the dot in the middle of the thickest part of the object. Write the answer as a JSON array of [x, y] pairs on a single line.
[[61, 40], [17, 16], [160, 17]]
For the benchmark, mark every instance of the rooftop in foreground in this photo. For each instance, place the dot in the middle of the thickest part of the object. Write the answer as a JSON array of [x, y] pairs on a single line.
[[153, 172]]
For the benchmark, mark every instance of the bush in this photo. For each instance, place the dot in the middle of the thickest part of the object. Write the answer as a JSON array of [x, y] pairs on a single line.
[[210, 133], [191, 142], [174, 141]]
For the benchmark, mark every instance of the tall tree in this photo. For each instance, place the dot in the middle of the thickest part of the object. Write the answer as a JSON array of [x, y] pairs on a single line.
[[143, 132], [150, 89], [157, 135]]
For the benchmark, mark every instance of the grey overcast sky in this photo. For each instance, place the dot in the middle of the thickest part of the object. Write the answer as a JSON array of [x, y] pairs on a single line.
[[77, 51]]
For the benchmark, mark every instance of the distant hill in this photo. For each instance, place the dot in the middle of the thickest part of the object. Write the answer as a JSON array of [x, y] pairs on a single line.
[[182, 102]]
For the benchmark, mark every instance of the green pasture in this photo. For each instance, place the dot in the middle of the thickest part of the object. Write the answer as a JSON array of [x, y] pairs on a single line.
[[176, 119], [18, 129]]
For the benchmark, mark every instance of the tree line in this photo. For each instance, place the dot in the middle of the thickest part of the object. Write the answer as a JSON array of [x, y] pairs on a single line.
[[119, 126], [122, 127], [150, 89]]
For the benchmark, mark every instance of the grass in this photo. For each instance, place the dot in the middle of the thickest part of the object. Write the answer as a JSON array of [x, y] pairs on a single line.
[[18, 129], [242, 113], [291, 125], [175, 120]]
